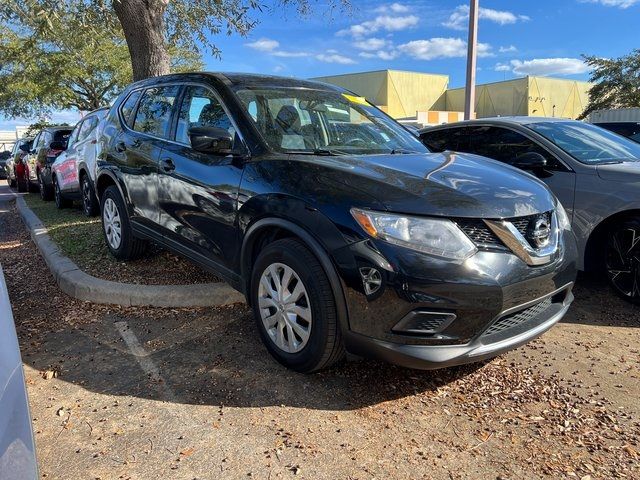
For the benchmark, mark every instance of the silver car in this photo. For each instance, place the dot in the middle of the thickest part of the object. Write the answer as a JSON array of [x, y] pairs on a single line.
[[594, 172], [17, 450]]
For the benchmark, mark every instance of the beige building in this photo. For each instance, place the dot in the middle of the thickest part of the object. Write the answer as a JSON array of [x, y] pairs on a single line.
[[401, 94], [426, 98]]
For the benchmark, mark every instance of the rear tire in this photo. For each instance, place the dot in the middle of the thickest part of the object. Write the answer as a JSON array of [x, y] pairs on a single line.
[[45, 191], [61, 202], [302, 333], [90, 205], [622, 259], [116, 227]]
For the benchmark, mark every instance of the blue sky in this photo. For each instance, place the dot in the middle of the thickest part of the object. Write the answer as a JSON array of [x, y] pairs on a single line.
[[517, 38]]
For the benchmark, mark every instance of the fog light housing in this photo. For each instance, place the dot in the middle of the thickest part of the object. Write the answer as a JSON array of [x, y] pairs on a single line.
[[422, 322]]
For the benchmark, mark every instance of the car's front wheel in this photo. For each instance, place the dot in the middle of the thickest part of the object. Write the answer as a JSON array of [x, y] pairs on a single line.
[[622, 259], [116, 227], [294, 307]]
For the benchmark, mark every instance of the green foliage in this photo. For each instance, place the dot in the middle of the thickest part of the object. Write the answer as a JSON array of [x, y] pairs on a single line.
[[616, 82], [35, 127], [68, 56]]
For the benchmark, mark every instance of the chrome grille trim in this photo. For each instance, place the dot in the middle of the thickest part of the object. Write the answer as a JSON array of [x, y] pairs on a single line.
[[511, 236]]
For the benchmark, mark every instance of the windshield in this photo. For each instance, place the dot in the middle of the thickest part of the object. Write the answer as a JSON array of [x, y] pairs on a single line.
[[588, 143], [298, 120]]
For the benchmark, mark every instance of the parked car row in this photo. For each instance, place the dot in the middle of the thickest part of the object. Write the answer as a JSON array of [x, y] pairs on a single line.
[[343, 230]]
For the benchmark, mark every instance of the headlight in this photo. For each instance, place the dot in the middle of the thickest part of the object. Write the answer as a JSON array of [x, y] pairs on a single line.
[[439, 237], [563, 219]]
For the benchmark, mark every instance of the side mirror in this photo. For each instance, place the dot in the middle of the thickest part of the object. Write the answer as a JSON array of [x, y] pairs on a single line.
[[532, 161], [57, 145], [211, 140], [25, 148]]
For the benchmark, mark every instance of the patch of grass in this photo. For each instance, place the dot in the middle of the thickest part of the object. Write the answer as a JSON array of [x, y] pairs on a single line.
[[78, 236]]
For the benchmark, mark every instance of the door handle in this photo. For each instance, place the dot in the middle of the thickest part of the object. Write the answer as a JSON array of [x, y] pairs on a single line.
[[167, 165], [121, 147]]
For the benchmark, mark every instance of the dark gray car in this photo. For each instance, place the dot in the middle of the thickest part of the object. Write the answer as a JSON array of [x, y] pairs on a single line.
[[594, 173], [17, 450]]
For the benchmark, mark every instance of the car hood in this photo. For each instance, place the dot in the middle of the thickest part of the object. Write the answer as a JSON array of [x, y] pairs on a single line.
[[628, 172], [444, 184]]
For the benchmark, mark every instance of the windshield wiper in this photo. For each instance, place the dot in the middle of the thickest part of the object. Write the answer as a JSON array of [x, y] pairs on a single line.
[[318, 151], [400, 151]]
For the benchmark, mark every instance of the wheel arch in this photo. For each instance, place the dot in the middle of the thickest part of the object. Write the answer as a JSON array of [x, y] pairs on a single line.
[[598, 236], [269, 229], [105, 180]]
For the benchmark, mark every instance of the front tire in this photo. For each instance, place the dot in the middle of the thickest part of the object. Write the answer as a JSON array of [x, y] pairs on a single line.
[[294, 307], [116, 227], [622, 259]]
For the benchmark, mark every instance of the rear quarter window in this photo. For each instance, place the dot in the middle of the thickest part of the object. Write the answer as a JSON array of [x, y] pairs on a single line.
[[128, 106]]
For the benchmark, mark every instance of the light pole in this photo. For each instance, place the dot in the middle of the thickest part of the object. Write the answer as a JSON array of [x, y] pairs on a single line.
[[472, 44]]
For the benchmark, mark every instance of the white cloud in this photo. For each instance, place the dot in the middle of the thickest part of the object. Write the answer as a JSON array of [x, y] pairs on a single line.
[[394, 7], [264, 45], [270, 47], [332, 57], [502, 67], [441, 48], [459, 18], [509, 49], [614, 3], [381, 22], [370, 44], [549, 66]]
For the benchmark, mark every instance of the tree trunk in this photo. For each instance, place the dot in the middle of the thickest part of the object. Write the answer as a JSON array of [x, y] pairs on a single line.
[[143, 26]]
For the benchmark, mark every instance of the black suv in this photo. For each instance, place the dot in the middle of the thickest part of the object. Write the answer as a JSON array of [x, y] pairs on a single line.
[[336, 223]]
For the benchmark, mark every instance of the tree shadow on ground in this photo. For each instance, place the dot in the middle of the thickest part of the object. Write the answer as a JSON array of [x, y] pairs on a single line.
[[215, 359]]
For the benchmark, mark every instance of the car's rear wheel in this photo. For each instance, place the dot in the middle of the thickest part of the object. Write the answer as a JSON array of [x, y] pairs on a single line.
[[622, 259], [45, 191], [294, 307], [116, 227], [61, 202], [89, 202]]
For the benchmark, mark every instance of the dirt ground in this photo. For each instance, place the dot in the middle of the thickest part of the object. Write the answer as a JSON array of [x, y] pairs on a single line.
[[140, 393]]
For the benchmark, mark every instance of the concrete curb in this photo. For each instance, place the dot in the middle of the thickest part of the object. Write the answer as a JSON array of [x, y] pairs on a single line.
[[80, 285]]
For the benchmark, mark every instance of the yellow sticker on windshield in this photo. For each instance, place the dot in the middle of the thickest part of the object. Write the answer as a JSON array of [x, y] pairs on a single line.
[[354, 99]]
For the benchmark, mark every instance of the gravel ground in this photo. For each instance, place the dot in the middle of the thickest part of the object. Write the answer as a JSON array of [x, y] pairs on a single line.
[[142, 393]]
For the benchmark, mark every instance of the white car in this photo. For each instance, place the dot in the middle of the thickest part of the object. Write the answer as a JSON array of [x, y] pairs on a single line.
[[74, 171]]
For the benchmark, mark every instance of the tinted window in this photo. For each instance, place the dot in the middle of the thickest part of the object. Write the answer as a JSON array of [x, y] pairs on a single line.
[[126, 109], [88, 126], [455, 139], [73, 138], [59, 136], [588, 143], [504, 145], [201, 108], [153, 116], [626, 129]]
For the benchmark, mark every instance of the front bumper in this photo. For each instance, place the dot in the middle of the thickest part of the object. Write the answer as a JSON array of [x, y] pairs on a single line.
[[497, 302], [428, 357]]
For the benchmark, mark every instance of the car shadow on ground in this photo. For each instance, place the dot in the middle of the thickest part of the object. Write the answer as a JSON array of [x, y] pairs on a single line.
[[597, 304], [215, 358]]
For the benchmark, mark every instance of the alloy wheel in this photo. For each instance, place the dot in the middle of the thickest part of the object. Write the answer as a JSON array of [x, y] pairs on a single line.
[[86, 195], [56, 193], [112, 224], [285, 309], [41, 187], [623, 261]]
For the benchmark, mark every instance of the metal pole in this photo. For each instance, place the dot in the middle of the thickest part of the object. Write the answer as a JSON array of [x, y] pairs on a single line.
[[472, 44]]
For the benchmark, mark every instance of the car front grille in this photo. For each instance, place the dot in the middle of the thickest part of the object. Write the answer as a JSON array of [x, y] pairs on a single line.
[[517, 318], [479, 233]]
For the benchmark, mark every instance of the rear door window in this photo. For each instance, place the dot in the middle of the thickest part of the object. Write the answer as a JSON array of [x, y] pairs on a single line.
[[154, 113], [128, 106]]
